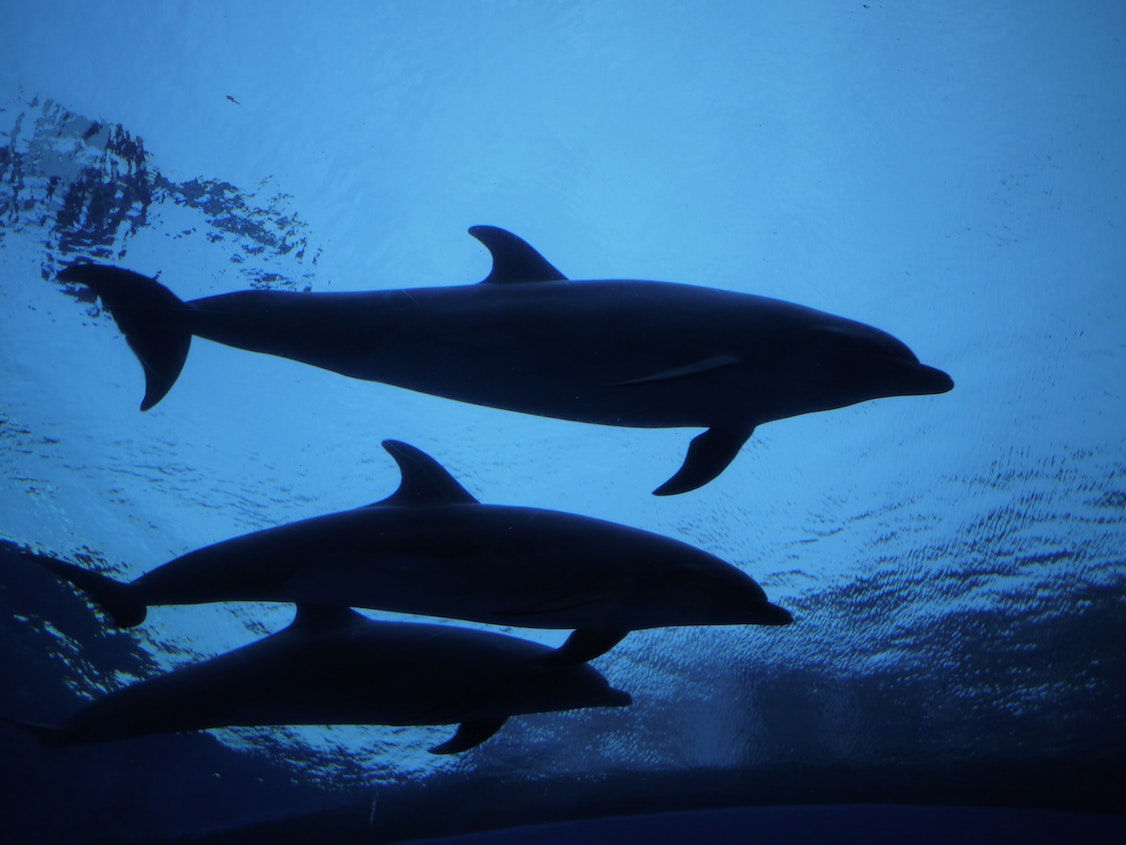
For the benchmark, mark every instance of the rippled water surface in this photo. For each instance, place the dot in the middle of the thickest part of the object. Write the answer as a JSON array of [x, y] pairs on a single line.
[[956, 564]]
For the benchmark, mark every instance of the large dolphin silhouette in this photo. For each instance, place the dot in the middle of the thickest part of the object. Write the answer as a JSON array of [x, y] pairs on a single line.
[[627, 353], [332, 666], [433, 549]]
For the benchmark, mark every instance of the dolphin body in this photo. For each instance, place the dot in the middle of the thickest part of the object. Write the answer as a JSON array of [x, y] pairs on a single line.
[[627, 353], [332, 666], [433, 549]]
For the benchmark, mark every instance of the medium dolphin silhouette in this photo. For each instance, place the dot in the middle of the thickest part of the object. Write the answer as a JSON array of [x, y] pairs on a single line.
[[432, 549], [332, 666], [627, 353]]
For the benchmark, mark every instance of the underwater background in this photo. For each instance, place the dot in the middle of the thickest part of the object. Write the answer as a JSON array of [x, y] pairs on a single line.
[[953, 173]]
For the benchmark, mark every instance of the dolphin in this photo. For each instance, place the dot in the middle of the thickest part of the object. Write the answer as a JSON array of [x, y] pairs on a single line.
[[431, 548], [332, 666], [613, 352]]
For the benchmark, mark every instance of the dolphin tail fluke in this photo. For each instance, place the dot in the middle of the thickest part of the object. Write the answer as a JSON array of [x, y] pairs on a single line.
[[118, 600], [52, 736], [708, 456], [149, 315], [469, 735]]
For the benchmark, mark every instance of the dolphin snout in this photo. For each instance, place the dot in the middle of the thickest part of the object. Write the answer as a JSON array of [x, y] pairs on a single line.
[[921, 380], [939, 381], [772, 614], [617, 698]]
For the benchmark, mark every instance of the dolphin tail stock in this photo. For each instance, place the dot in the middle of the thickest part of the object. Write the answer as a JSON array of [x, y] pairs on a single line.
[[115, 598], [469, 735], [708, 456], [149, 315]]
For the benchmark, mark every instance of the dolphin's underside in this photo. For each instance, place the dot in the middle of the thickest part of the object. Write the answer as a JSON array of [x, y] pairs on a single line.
[[333, 666], [612, 352], [432, 549]]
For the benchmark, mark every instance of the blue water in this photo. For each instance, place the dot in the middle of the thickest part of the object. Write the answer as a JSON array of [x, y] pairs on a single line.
[[953, 173]]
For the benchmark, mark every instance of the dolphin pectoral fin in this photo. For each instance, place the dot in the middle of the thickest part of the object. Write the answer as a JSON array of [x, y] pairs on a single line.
[[469, 735], [514, 259], [584, 644], [705, 365], [149, 315], [708, 456], [425, 481], [568, 603]]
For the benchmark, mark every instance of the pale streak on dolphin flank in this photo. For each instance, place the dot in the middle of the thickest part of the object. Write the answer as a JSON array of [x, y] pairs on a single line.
[[613, 352], [332, 666], [431, 548]]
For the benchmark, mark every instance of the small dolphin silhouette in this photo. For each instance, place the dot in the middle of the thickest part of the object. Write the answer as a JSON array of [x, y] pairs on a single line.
[[332, 666], [626, 353], [433, 549]]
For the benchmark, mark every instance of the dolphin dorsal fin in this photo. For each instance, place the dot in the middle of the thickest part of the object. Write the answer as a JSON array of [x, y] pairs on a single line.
[[514, 260], [323, 617], [425, 481]]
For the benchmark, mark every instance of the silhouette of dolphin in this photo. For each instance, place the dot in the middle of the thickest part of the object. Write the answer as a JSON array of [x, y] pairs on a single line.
[[627, 353], [332, 666], [432, 549]]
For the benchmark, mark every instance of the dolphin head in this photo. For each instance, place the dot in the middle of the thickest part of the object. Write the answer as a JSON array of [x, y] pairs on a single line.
[[536, 688], [583, 686], [699, 589], [860, 362], [741, 601]]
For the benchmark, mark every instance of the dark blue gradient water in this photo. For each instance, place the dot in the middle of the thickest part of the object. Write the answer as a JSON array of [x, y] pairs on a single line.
[[956, 564]]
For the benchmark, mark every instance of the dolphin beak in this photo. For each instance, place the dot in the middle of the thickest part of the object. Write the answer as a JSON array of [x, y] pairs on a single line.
[[939, 381], [772, 614], [921, 380], [617, 698]]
